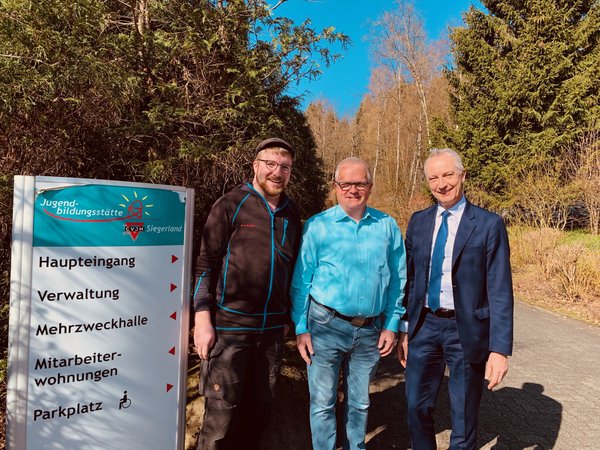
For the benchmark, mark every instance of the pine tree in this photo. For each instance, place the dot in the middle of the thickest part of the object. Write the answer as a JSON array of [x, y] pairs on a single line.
[[525, 81]]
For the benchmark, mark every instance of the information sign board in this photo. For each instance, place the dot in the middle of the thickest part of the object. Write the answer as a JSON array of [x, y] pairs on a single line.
[[98, 315]]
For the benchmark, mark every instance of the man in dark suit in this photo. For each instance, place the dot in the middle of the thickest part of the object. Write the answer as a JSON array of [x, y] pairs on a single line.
[[459, 305]]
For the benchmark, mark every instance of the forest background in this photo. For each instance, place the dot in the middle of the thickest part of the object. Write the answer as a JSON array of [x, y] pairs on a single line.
[[180, 91]]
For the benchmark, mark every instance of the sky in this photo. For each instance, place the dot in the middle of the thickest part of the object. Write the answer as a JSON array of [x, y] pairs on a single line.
[[345, 82]]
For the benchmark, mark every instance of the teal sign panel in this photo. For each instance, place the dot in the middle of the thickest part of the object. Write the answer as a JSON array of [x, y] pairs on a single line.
[[108, 215]]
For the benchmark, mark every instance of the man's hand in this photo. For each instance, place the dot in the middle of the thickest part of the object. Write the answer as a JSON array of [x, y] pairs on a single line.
[[304, 343], [204, 334], [386, 342], [402, 349], [496, 368]]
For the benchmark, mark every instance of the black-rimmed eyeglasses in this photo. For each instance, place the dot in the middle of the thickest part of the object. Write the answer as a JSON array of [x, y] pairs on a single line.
[[273, 165], [347, 185]]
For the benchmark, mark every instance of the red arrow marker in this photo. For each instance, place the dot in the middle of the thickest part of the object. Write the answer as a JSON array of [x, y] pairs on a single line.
[[174, 316], [173, 259], [172, 351], [169, 387], [173, 287]]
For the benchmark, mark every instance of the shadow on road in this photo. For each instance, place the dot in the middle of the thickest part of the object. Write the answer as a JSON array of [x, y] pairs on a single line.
[[387, 414], [509, 418], [519, 418], [290, 428]]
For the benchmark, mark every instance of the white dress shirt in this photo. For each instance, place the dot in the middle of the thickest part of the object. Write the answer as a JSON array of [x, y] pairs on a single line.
[[456, 212]]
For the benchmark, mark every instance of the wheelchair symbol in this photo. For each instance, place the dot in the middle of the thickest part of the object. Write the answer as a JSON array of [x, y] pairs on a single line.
[[124, 402]]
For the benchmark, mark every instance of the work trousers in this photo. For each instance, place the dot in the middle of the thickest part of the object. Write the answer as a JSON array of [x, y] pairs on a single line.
[[238, 382]]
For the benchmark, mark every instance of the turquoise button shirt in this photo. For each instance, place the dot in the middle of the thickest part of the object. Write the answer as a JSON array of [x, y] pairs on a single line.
[[358, 269]]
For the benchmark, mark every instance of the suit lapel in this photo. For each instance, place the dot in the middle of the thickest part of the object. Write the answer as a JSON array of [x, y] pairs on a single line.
[[465, 229], [428, 227]]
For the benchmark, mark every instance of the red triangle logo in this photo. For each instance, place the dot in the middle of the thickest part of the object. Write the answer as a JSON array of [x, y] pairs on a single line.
[[169, 387], [173, 258], [134, 228], [173, 287], [174, 316], [172, 351]]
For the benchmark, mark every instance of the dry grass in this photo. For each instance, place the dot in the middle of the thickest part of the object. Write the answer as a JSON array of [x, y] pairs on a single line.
[[558, 271]]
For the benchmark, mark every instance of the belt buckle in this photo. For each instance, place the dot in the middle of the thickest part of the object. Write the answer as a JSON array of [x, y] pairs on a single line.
[[358, 321]]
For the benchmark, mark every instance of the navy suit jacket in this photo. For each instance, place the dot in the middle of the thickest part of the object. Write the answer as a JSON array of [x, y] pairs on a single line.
[[481, 279]]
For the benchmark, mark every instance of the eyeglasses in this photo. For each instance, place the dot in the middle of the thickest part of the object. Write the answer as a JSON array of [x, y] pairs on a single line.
[[347, 185], [273, 165]]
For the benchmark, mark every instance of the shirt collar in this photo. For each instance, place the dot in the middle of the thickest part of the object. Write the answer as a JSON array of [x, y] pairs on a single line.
[[455, 210], [340, 214]]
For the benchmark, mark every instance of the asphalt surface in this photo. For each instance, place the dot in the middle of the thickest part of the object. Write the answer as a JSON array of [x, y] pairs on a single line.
[[549, 400], [551, 397]]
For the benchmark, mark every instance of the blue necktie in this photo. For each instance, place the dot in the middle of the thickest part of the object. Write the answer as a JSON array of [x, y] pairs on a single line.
[[437, 260]]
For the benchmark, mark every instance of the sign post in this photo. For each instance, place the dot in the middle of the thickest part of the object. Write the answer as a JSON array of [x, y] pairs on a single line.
[[99, 315]]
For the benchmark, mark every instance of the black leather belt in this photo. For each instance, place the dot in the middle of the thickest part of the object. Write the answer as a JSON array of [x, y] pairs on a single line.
[[441, 312], [356, 321]]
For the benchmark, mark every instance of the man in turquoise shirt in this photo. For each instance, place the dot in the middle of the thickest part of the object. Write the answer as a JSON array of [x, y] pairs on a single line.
[[346, 303]]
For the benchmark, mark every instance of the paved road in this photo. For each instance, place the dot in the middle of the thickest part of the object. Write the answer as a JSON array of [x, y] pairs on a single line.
[[549, 400]]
